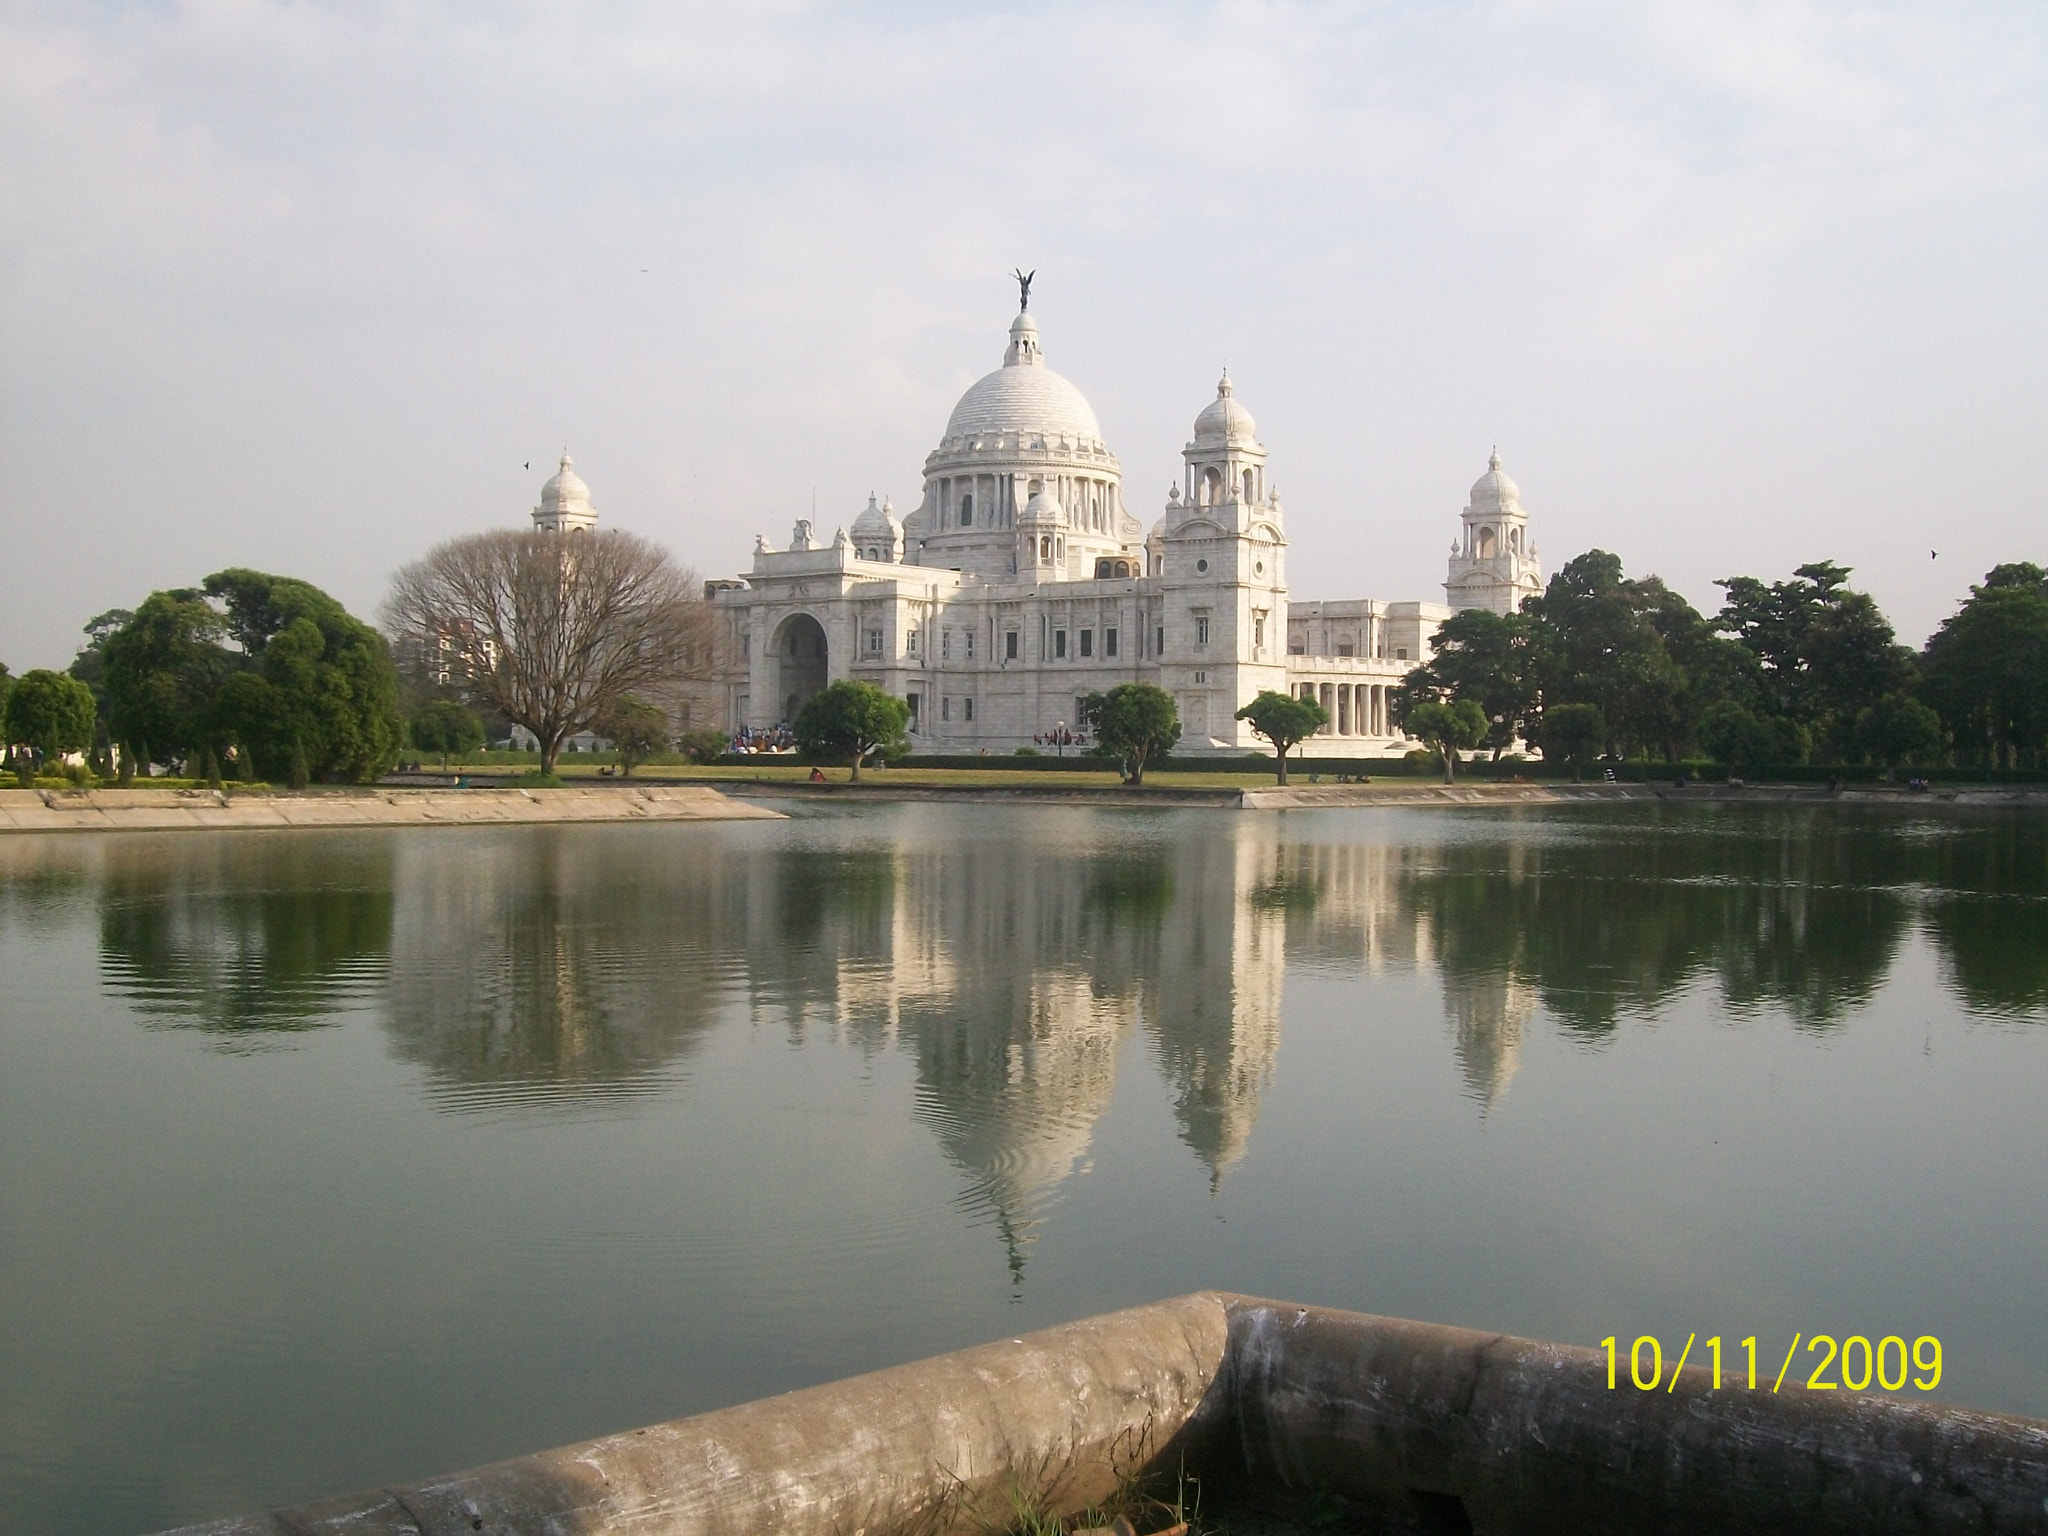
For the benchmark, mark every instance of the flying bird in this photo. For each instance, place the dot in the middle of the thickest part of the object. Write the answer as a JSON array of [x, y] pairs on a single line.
[[1932, 555], [527, 465]]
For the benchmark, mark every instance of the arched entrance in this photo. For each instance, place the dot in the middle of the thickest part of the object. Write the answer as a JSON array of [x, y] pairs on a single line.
[[800, 655]]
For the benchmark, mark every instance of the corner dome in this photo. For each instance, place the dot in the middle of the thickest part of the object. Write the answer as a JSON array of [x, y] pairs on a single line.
[[1494, 488], [1223, 419], [1024, 396], [876, 521], [1043, 509], [564, 488]]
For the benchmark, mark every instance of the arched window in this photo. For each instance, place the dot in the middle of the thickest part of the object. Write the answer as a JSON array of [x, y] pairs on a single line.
[[967, 510], [1248, 482], [1485, 547], [1045, 547], [1212, 486]]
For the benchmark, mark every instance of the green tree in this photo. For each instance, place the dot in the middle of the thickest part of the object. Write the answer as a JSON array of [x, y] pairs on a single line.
[[1736, 738], [1136, 723], [637, 730], [1824, 652], [1899, 729], [336, 691], [703, 746], [1598, 642], [1489, 658], [89, 666], [1571, 733], [446, 727], [162, 671], [1986, 668], [51, 714], [851, 721], [1447, 729], [1284, 720]]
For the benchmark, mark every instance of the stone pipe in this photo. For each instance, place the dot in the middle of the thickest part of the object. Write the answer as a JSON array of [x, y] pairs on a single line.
[[1430, 1428], [1480, 1432], [941, 1447]]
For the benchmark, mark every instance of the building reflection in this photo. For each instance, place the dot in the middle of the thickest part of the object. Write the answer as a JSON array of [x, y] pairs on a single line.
[[1012, 974], [1018, 973]]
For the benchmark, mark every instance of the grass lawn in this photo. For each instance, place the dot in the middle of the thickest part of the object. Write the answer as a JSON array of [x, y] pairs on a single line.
[[988, 778]]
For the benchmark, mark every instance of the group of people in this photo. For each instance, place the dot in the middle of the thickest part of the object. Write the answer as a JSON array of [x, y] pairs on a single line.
[[1061, 738], [778, 738]]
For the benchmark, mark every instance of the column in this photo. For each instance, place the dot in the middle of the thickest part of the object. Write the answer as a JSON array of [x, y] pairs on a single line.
[[1343, 709]]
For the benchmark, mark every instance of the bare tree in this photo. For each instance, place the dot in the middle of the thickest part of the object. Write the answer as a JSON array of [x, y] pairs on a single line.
[[551, 630]]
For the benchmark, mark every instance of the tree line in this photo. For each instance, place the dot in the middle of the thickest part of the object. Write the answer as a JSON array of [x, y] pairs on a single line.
[[251, 676], [1787, 672], [256, 676]]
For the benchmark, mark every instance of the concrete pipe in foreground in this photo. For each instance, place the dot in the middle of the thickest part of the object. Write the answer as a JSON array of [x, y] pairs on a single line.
[[1427, 1428]]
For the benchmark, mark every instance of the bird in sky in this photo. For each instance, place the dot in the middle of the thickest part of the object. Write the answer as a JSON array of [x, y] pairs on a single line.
[[527, 465], [1933, 555]]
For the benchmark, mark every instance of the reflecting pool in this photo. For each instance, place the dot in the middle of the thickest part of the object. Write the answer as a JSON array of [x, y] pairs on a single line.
[[335, 1158]]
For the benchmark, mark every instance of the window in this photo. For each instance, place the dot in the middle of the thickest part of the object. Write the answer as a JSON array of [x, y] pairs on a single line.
[[1009, 645], [1159, 649], [746, 647], [1297, 648], [910, 641], [967, 511], [1201, 565], [946, 707], [1201, 677], [1259, 631], [968, 636], [1201, 629], [945, 644], [914, 701], [1087, 642], [967, 710], [1109, 642], [1401, 654], [874, 642], [1346, 648], [1059, 644]]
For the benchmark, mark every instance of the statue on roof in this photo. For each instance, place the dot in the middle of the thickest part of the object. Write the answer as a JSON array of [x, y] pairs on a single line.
[[1024, 287]]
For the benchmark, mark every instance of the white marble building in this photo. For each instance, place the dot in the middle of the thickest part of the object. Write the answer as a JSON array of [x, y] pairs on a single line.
[[1022, 582]]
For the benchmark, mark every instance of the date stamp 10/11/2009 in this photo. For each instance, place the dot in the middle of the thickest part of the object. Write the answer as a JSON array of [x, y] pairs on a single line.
[[1855, 1362]]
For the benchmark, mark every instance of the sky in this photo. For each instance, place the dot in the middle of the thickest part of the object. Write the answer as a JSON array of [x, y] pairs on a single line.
[[311, 287]]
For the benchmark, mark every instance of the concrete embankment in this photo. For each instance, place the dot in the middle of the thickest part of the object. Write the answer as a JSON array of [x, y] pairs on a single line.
[[164, 810], [1426, 1427], [1162, 791]]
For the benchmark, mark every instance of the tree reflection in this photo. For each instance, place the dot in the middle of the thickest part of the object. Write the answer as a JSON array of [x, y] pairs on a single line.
[[1790, 915], [556, 966], [246, 936]]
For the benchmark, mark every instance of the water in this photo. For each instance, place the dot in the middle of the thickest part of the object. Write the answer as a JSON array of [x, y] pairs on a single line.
[[330, 1159]]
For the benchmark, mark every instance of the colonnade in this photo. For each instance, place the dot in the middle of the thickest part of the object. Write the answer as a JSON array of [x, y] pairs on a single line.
[[1355, 709]]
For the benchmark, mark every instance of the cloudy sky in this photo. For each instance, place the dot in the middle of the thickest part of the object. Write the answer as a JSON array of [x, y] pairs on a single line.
[[306, 287]]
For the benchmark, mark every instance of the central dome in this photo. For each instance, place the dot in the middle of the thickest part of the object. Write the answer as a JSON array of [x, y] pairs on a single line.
[[1025, 397]]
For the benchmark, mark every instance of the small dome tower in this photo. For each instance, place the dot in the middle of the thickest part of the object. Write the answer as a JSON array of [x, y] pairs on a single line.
[[877, 535], [565, 502], [1493, 563]]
